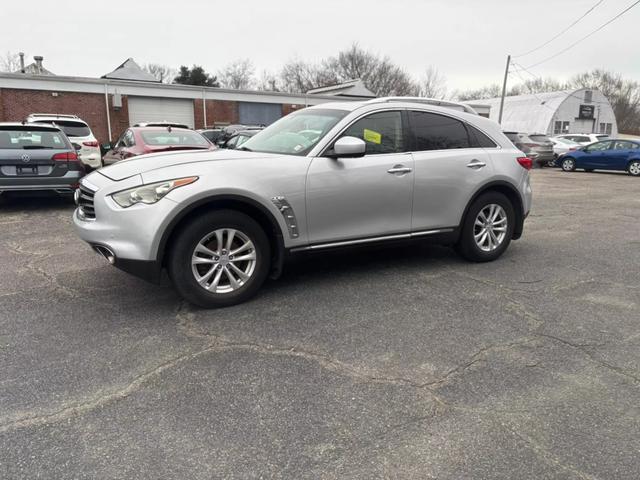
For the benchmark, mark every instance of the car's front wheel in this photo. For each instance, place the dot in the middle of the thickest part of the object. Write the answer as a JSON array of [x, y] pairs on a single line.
[[568, 164], [219, 259], [634, 168], [487, 229]]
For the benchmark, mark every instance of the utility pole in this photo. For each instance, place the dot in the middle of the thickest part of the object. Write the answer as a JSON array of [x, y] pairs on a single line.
[[504, 89]]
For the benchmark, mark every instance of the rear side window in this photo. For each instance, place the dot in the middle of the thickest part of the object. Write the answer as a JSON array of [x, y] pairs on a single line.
[[31, 139], [539, 138], [381, 132], [437, 132], [479, 139], [70, 128]]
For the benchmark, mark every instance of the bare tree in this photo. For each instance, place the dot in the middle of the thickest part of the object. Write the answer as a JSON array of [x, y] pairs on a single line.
[[379, 74], [433, 84], [237, 75], [163, 73], [268, 82], [10, 62], [489, 91]]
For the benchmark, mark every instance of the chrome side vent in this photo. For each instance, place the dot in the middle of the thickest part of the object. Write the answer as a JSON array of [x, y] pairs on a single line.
[[282, 204]]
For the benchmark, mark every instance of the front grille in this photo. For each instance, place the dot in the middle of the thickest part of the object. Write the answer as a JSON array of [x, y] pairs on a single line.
[[85, 203]]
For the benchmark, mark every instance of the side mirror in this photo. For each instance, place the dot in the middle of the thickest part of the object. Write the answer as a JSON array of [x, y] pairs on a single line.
[[349, 147]]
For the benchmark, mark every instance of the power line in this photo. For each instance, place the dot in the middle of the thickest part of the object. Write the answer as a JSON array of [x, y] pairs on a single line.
[[561, 33], [586, 36]]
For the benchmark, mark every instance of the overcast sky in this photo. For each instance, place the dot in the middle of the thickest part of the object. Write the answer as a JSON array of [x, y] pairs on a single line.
[[467, 40]]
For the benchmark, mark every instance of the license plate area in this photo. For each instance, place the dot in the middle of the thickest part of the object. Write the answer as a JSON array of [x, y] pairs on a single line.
[[27, 170]]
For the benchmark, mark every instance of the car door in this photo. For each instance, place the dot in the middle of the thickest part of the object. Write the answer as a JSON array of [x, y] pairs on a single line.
[[619, 156], [595, 156], [122, 149], [450, 165], [368, 196]]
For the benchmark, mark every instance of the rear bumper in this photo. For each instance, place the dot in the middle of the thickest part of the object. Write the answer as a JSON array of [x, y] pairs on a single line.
[[67, 183], [92, 160]]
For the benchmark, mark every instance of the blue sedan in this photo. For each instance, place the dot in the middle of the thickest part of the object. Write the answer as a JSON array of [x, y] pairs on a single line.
[[621, 155]]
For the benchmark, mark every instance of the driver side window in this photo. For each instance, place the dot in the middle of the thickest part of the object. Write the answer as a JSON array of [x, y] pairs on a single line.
[[382, 132]]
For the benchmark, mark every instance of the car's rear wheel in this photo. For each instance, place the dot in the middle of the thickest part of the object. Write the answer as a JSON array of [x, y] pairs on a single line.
[[487, 229], [219, 259], [568, 164], [634, 168]]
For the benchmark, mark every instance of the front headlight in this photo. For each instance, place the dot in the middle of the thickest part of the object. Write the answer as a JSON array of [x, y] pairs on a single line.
[[149, 193]]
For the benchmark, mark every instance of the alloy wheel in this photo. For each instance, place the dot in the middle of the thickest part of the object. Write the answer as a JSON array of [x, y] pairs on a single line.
[[634, 168], [568, 165], [224, 260], [490, 227]]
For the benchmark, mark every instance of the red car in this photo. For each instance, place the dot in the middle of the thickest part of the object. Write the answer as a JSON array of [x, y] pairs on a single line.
[[141, 140]]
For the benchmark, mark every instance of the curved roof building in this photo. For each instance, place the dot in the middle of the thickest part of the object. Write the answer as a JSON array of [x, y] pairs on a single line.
[[566, 111]]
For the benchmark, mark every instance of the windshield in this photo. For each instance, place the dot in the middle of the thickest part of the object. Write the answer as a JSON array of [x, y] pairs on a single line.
[[174, 137], [295, 134], [71, 129], [602, 137], [32, 139]]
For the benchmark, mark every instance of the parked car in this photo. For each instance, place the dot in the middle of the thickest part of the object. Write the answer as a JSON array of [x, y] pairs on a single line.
[[163, 124], [78, 132], [328, 176], [584, 138], [239, 138], [623, 155], [562, 146], [142, 140], [540, 151], [230, 130], [37, 157], [212, 134]]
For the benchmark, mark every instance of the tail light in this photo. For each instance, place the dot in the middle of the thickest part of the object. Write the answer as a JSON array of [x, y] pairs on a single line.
[[65, 157], [91, 144], [525, 162], [572, 149]]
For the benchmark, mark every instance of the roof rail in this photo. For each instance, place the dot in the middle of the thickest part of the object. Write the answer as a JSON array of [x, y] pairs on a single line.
[[55, 115], [429, 101]]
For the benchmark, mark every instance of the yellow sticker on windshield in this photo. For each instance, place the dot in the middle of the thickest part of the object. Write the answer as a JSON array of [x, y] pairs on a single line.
[[373, 137]]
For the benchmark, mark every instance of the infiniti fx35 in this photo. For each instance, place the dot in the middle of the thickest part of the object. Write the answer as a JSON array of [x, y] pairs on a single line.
[[332, 175]]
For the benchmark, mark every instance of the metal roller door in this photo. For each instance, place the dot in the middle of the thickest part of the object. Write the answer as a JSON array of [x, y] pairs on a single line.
[[252, 113], [154, 109]]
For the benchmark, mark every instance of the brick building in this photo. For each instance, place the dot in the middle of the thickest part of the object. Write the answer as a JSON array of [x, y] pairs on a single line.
[[110, 105]]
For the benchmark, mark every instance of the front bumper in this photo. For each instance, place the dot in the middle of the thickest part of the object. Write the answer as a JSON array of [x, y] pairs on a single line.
[[131, 234]]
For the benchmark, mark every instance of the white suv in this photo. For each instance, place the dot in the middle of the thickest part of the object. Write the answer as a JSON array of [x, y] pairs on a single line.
[[329, 176], [79, 134]]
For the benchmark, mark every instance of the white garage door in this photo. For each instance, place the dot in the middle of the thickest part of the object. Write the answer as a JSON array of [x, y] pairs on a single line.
[[153, 109]]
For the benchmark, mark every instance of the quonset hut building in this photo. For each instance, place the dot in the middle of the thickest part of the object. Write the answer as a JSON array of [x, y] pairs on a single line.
[[554, 113]]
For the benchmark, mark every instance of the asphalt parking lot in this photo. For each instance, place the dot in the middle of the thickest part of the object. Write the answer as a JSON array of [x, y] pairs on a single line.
[[389, 363]]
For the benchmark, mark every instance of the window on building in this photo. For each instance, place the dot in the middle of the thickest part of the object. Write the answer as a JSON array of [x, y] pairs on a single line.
[[557, 128], [609, 129], [565, 127], [381, 132], [588, 96], [602, 128], [437, 132]]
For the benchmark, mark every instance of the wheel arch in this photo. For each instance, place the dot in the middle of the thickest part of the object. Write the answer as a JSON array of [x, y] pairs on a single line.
[[509, 191], [248, 206]]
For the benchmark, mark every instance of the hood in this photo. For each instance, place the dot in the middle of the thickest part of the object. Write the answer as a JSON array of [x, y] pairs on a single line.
[[147, 163]]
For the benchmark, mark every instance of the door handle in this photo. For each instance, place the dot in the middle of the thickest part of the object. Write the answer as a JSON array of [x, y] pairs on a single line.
[[399, 169], [477, 164]]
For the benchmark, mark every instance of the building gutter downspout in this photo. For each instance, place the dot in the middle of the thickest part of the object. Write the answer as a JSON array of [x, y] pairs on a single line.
[[204, 108], [106, 104]]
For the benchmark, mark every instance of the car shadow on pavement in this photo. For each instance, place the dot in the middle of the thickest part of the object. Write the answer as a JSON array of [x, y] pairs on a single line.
[[19, 202]]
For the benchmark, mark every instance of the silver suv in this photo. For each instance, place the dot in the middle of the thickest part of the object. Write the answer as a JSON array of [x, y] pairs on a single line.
[[333, 175]]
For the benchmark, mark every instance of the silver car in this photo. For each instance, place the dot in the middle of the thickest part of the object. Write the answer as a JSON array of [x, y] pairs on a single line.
[[329, 176]]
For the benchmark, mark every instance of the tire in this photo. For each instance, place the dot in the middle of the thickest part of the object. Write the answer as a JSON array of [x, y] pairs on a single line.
[[215, 263], [588, 170], [467, 245], [568, 164], [634, 168]]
